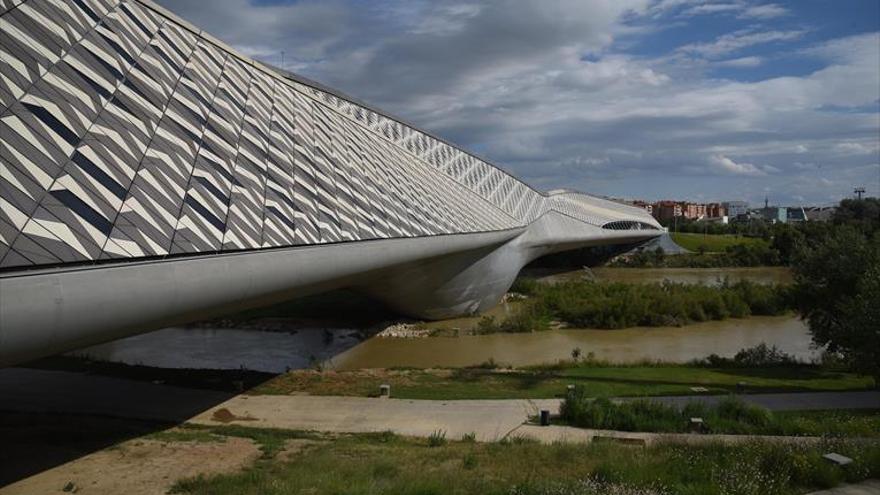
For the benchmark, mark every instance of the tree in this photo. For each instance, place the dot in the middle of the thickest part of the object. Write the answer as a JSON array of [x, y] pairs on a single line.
[[861, 213], [786, 239], [837, 290]]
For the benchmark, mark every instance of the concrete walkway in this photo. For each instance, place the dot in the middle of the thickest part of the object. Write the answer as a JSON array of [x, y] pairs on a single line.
[[489, 420]]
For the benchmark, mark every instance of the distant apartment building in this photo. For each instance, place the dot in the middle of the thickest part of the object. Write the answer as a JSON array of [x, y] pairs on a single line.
[[716, 210], [736, 208], [666, 210], [693, 211], [669, 209]]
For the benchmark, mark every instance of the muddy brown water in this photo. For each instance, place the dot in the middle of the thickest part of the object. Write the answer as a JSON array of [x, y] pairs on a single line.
[[672, 344], [340, 348]]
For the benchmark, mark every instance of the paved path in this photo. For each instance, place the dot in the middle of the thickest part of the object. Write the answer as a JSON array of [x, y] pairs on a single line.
[[64, 392], [489, 420]]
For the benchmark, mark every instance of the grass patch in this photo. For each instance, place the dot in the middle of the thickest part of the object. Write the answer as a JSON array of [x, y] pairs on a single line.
[[551, 381], [270, 440], [362, 464], [185, 434], [714, 243], [731, 415]]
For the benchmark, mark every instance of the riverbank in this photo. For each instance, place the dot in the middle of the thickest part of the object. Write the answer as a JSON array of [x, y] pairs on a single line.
[[552, 381], [492, 380]]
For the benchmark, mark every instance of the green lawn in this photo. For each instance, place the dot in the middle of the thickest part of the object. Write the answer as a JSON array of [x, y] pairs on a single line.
[[712, 243], [385, 463], [535, 383]]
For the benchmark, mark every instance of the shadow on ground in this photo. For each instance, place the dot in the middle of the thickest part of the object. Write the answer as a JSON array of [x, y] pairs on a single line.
[[50, 417], [35, 442]]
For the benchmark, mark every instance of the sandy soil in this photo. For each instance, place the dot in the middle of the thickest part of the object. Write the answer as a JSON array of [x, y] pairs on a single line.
[[139, 467]]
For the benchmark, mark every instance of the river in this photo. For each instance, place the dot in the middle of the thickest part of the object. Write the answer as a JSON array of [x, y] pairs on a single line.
[[342, 348]]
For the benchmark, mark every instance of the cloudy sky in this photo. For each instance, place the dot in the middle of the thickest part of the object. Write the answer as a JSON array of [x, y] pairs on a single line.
[[653, 99]]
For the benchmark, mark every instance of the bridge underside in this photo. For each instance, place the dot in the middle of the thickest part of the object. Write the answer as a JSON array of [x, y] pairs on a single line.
[[44, 312]]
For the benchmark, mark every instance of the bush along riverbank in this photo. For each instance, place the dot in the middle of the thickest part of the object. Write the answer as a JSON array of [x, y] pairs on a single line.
[[729, 416], [612, 305]]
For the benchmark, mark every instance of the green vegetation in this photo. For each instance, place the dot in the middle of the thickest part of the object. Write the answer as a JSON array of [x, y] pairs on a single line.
[[437, 438], [385, 463], [593, 378], [713, 243], [730, 415], [610, 305], [737, 255], [837, 288], [756, 243], [759, 356], [270, 440]]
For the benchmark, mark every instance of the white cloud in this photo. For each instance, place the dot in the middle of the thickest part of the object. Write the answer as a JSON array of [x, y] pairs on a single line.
[[858, 148], [712, 8], [766, 11], [738, 40], [740, 62], [742, 8], [727, 165]]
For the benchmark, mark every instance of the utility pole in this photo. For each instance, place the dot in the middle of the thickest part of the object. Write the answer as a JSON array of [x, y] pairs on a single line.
[[859, 191]]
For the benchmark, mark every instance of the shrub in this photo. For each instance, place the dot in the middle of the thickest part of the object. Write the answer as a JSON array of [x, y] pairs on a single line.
[[437, 438], [601, 413], [730, 415], [762, 356], [759, 356], [525, 286], [734, 409]]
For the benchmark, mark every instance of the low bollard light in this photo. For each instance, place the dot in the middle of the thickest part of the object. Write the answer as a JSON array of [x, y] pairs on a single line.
[[545, 417]]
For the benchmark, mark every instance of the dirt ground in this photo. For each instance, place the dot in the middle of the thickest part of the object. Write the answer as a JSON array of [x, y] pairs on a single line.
[[139, 467]]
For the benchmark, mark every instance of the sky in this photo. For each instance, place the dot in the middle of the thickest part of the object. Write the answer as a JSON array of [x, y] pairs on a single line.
[[650, 99]]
